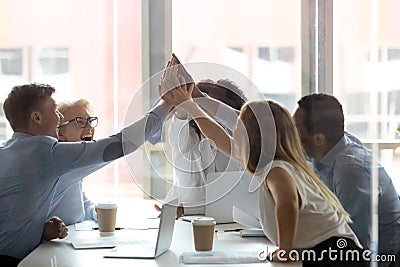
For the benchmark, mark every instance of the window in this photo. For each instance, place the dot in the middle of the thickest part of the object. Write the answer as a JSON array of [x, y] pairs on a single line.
[[53, 61], [253, 38], [366, 62], [98, 55], [393, 54], [3, 125], [11, 61], [283, 54], [91, 50]]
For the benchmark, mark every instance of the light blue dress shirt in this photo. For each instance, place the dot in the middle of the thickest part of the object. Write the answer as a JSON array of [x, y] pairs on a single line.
[[346, 170], [69, 201], [30, 167]]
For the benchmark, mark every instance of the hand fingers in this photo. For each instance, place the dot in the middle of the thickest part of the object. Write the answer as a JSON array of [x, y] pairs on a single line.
[[176, 60], [163, 75], [182, 81], [168, 97], [190, 89], [59, 224], [55, 219], [160, 91], [185, 73], [173, 61], [179, 212], [157, 207], [64, 233], [165, 87], [172, 73]]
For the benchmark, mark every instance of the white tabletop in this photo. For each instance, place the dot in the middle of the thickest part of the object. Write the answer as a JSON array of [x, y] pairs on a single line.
[[60, 253]]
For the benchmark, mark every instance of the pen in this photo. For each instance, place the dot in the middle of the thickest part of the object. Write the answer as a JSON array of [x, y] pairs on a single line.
[[230, 230], [116, 228]]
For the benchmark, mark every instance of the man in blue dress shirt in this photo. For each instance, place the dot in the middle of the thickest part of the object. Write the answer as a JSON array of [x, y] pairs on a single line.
[[344, 164], [33, 160]]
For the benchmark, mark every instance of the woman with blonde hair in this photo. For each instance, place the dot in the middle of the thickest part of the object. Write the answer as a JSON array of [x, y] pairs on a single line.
[[69, 201], [298, 212]]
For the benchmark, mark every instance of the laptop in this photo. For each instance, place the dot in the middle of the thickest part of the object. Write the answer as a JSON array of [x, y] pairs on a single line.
[[149, 245], [228, 189]]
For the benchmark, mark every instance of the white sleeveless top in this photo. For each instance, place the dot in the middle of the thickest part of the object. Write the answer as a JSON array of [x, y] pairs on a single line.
[[318, 221]]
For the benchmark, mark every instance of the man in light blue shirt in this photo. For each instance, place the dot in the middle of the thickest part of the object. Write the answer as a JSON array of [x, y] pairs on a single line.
[[33, 160], [344, 164]]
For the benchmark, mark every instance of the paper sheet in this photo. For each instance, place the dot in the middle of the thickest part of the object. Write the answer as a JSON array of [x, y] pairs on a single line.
[[228, 235], [93, 239], [220, 257], [85, 225]]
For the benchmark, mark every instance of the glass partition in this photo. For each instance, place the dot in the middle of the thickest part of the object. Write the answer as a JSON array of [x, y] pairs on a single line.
[[86, 49]]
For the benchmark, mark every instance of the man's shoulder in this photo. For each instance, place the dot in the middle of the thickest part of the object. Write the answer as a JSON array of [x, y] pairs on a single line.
[[352, 155], [31, 140], [352, 162], [42, 139]]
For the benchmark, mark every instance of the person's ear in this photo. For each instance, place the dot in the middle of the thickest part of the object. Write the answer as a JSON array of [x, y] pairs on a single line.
[[319, 139], [36, 118], [61, 137]]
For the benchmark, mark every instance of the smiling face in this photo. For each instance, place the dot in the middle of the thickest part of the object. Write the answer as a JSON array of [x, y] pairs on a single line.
[[71, 132]]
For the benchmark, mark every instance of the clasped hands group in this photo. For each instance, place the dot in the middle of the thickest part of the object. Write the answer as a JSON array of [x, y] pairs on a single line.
[[297, 207]]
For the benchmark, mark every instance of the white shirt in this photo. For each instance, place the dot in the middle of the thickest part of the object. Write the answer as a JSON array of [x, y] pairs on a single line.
[[318, 221], [194, 158]]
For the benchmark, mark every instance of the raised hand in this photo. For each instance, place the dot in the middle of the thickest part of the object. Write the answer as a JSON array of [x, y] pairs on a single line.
[[186, 75], [174, 76], [181, 69], [181, 93]]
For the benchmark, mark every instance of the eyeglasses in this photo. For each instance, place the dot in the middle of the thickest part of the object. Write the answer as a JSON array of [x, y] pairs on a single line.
[[83, 122]]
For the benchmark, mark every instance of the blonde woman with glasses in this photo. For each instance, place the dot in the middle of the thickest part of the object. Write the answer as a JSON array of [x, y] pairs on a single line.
[[298, 212], [70, 201]]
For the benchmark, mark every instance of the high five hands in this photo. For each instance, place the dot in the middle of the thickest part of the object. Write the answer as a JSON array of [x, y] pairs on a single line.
[[177, 85]]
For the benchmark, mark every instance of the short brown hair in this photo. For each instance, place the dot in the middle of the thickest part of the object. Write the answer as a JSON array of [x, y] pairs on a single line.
[[226, 90], [22, 100], [323, 113]]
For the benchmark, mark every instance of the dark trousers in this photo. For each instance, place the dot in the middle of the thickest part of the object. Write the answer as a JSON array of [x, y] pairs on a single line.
[[332, 253], [8, 261]]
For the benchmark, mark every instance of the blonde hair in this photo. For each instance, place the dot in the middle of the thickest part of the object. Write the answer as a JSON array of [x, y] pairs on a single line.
[[288, 146], [63, 106]]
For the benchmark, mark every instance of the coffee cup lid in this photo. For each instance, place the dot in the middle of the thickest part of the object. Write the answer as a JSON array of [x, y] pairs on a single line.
[[203, 221], [106, 205]]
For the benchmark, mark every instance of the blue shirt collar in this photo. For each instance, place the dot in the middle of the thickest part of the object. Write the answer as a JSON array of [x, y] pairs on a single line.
[[20, 134], [329, 157]]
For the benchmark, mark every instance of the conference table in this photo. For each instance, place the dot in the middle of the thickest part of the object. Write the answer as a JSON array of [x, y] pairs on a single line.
[[60, 253]]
